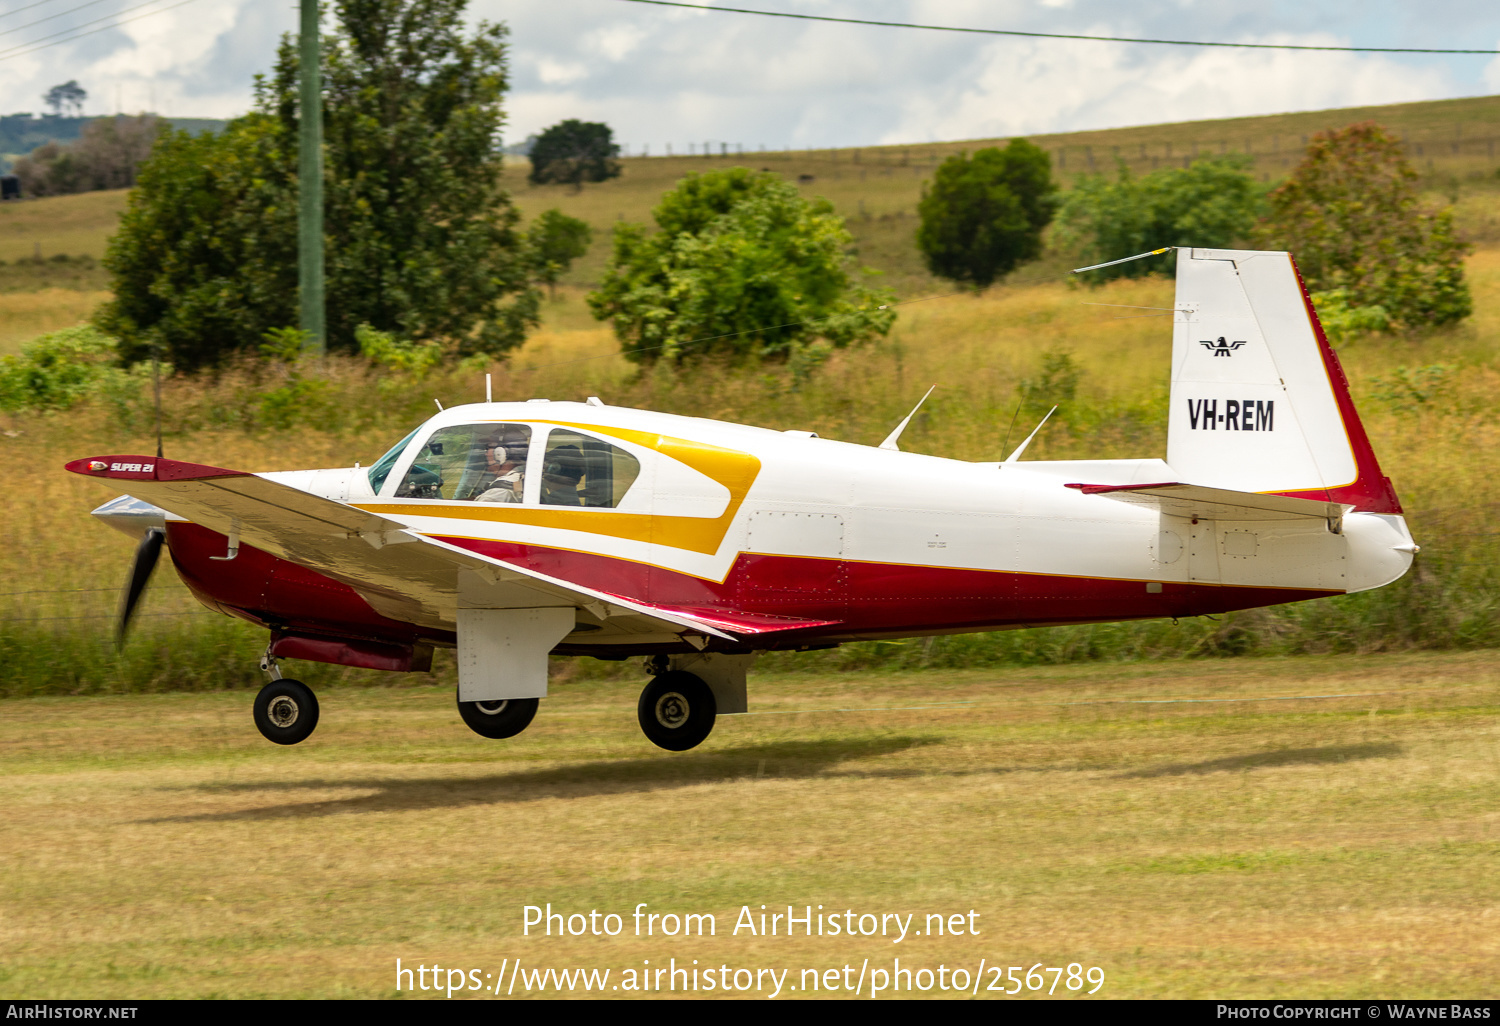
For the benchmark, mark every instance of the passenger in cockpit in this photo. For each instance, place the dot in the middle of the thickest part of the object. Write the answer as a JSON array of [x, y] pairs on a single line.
[[505, 466]]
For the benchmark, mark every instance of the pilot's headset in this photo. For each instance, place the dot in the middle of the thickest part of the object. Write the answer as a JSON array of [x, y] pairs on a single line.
[[514, 447]]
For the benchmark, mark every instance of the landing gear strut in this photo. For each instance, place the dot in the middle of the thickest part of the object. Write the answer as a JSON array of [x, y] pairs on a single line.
[[677, 710], [286, 711]]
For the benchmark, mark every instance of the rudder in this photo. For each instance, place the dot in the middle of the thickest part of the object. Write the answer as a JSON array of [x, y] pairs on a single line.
[[1259, 402]]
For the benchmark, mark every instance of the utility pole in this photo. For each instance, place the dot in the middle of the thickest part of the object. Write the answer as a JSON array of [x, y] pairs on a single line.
[[310, 182]]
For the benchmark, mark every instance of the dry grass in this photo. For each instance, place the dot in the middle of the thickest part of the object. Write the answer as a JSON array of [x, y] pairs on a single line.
[[74, 225], [975, 349], [155, 846], [25, 315]]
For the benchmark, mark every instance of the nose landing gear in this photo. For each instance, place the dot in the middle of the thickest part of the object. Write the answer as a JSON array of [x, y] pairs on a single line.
[[286, 711], [677, 710]]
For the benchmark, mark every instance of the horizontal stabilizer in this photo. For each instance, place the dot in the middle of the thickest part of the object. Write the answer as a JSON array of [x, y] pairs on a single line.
[[1187, 500]]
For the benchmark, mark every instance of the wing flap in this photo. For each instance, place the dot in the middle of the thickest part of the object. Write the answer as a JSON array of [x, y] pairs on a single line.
[[1188, 500]]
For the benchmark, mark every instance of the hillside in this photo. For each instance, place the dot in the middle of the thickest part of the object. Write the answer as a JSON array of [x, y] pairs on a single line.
[[22, 133], [1455, 143]]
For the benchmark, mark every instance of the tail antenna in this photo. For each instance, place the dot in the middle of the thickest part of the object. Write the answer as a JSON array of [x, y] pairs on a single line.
[[489, 395], [1013, 457], [890, 440]]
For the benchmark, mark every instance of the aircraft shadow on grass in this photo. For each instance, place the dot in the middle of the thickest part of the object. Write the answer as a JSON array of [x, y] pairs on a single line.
[[778, 761], [1265, 760]]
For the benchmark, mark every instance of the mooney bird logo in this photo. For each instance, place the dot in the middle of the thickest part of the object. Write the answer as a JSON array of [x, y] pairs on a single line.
[[1221, 348]]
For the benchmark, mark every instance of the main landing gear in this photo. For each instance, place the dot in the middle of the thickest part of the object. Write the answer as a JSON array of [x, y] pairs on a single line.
[[500, 719], [676, 710]]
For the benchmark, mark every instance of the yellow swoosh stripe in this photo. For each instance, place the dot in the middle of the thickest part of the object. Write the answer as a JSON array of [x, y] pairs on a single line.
[[736, 471]]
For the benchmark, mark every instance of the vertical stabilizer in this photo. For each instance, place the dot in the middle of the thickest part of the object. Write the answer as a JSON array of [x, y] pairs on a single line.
[[1259, 401]]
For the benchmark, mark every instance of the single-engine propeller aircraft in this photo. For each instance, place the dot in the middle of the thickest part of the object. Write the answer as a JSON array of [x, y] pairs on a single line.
[[513, 530]]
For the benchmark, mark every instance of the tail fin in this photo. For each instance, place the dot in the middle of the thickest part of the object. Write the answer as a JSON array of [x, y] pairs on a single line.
[[1259, 401]]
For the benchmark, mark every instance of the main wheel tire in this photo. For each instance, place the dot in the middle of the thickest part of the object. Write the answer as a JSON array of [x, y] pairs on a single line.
[[505, 718], [677, 711], [286, 711]]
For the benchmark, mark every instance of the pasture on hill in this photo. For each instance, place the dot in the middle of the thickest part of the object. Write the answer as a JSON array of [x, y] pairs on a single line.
[[1452, 143]]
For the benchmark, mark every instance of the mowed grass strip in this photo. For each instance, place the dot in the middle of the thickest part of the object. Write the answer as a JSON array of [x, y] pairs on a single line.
[[156, 846]]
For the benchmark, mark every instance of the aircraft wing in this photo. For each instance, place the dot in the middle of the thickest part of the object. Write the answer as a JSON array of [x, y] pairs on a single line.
[[403, 574], [1187, 500]]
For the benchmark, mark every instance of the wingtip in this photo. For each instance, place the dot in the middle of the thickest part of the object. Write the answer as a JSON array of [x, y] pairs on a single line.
[[145, 468]]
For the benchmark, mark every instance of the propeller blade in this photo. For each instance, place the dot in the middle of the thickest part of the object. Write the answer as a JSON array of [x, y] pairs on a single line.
[[146, 555]]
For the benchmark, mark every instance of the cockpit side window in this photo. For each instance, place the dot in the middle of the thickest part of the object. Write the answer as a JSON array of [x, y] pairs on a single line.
[[470, 463], [582, 471], [381, 469]]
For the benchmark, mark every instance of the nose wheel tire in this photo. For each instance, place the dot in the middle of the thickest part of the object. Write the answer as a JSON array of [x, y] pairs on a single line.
[[504, 718], [677, 711], [286, 711]]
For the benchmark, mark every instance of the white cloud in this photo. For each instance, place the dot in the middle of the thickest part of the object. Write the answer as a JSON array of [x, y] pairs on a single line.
[[617, 41], [1034, 87], [553, 72], [1492, 73], [659, 74]]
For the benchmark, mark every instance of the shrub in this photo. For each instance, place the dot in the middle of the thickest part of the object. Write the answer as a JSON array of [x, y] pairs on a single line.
[[740, 264], [554, 241], [1343, 322], [56, 371], [1213, 203], [1352, 218]]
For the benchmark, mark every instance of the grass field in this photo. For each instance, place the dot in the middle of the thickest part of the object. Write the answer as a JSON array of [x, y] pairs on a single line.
[[1237, 841]]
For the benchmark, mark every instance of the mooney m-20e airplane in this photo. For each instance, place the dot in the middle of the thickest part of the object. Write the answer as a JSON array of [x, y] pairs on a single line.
[[514, 530]]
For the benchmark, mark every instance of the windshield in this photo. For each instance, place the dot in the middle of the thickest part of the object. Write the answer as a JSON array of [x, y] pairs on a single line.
[[470, 463], [382, 468]]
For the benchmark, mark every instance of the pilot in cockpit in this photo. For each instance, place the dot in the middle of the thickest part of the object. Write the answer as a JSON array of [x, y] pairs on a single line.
[[505, 466]]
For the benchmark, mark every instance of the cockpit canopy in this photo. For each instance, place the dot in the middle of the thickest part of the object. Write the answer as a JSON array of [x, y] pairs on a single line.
[[511, 463]]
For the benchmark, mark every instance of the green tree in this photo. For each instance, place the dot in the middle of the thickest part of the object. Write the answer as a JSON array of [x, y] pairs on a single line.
[[204, 260], [740, 259], [984, 215], [555, 240], [1213, 203], [66, 97], [422, 241], [1351, 216], [573, 152]]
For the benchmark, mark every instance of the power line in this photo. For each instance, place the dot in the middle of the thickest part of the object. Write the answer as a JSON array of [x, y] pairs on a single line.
[[28, 7], [1054, 35], [52, 17], [22, 49]]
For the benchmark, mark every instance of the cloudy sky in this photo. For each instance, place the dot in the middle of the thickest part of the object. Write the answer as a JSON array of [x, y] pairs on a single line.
[[669, 76]]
